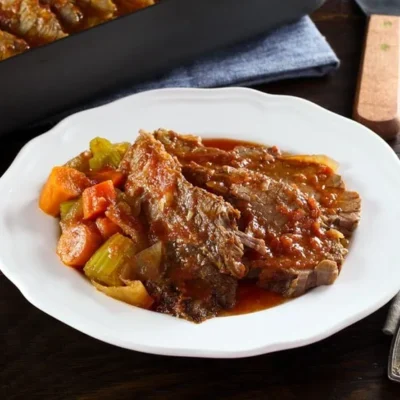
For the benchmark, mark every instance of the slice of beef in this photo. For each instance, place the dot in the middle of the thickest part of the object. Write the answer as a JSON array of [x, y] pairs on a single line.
[[346, 214], [192, 287], [340, 208], [303, 251], [188, 148], [294, 282], [203, 250]]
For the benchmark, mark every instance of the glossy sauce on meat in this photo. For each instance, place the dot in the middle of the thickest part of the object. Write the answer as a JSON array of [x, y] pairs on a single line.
[[226, 144], [294, 208], [249, 297], [304, 240]]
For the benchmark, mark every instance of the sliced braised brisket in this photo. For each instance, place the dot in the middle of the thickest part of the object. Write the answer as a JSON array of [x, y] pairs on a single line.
[[299, 243], [188, 148], [203, 250], [301, 210], [341, 208]]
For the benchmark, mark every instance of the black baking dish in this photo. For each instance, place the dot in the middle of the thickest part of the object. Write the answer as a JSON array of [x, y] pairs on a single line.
[[60, 76]]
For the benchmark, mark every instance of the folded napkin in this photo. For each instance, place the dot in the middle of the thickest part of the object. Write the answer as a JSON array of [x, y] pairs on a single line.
[[292, 51]]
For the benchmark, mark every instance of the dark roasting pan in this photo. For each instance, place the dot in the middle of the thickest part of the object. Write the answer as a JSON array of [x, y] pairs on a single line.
[[59, 77]]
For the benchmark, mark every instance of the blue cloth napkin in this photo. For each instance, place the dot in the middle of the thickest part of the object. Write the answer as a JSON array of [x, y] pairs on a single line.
[[293, 51]]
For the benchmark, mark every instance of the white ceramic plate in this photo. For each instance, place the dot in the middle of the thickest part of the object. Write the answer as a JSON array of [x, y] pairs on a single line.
[[370, 276]]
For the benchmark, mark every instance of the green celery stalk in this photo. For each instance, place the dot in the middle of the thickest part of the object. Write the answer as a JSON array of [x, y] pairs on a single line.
[[65, 208], [98, 161], [106, 263], [104, 154], [74, 214], [122, 147]]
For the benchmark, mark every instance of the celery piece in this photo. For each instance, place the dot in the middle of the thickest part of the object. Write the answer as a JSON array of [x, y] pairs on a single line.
[[74, 214], [65, 207], [106, 263], [114, 158], [104, 154], [100, 145], [122, 147], [98, 161], [76, 211]]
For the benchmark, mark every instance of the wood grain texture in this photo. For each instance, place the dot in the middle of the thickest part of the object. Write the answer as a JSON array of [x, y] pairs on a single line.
[[44, 359], [377, 100]]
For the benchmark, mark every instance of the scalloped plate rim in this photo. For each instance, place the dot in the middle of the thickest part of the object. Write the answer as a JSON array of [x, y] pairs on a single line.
[[40, 303]]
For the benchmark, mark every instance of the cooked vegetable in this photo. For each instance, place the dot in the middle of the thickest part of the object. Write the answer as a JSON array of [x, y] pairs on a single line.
[[122, 147], [335, 234], [66, 10], [315, 159], [105, 265], [11, 45], [122, 215], [77, 244], [146, 264], [63, 184], [31, 21], [104, 154], [106, 227], [103, 6], [117, 177], [97, 198], [65, 208], [74, 215], [134, 293], [80, 162], [133, 202]]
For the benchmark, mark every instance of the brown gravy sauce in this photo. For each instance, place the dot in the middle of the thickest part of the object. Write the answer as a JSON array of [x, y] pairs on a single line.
[[250, 298]]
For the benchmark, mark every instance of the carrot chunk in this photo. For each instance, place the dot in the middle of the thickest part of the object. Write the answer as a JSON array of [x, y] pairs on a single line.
[[97, 198], [109, 174], [77, 244], [106, 227], [63, 183]]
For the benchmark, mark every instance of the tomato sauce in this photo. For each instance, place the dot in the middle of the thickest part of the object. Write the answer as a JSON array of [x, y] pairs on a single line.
[[305, 248], [251, 298], [226, 144], [304, 242]]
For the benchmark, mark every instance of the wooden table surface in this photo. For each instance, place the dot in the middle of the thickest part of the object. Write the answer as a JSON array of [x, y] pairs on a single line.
[[43, 358]]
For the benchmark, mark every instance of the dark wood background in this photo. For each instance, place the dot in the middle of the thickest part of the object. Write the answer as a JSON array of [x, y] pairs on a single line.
[[45, 359]]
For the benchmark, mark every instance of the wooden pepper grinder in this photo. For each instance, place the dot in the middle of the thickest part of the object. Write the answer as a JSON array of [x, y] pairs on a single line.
[[377, 97]]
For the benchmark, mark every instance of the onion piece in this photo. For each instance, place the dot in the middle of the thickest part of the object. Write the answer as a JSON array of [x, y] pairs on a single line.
[[134, 293], [314, 159], [146, 265]]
